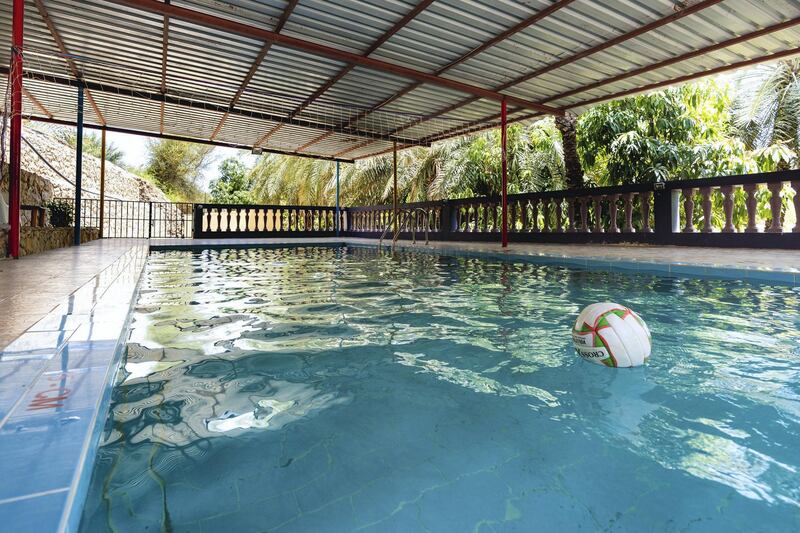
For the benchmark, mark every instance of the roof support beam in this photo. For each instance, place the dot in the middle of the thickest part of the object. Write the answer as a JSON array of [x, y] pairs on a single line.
[[677, 15], [530, 21], [648, 68], [181, 138], [287, 12], [354, 148], [70, 63], [207, 106], [238, 28]]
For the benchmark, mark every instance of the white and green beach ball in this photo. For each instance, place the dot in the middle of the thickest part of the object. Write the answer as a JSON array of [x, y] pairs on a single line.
[[612, 335]]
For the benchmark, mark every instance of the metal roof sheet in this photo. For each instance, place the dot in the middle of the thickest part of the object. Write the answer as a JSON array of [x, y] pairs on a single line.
[[222, 86]]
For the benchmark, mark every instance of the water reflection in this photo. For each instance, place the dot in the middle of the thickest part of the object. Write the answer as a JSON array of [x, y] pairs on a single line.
[[328, 365]]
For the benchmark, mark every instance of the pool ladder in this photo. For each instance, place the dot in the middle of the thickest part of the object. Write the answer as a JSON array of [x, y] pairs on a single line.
[[425, 218]]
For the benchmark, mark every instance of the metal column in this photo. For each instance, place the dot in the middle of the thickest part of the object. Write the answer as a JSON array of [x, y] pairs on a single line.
[[394, 188], [504, 164], [78, 166], [102, 179], [338, 212], [15, 155]]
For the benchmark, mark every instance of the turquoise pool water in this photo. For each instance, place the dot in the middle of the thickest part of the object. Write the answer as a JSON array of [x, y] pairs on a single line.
[[333, 389]]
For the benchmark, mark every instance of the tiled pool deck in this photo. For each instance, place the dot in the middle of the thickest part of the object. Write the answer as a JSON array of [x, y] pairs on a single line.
[[73, 305], [66, 319]]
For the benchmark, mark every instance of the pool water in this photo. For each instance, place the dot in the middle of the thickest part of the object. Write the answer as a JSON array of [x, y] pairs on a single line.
[[341, 389]]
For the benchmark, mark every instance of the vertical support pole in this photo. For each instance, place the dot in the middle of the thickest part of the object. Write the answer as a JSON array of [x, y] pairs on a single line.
[[78, 166], [504, 164], [150, 220], [394, 188], [338, 209], [102, 178], [15, 155]]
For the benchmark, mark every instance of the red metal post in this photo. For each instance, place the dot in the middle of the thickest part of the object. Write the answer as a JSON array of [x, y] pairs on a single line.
[[504, 164], [15, 155]]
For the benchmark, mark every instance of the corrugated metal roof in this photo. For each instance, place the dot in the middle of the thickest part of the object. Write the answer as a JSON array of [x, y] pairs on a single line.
[[561, 59]]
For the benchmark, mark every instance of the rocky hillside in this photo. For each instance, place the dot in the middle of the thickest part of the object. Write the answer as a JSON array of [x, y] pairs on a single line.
[[41, 182]]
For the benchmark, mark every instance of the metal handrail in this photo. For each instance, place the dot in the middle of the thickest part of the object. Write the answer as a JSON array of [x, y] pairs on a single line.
[[396, 234]]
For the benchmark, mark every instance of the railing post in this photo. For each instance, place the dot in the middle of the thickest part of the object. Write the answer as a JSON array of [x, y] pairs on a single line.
[[149, 220], [197, 221], [78, 165], [447, 218], [796, 187], [665, 211]]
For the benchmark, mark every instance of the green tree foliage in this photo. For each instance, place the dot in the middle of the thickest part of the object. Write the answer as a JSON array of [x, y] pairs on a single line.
[[452, 169], [92, 144], [233, 185], [766, 113], [176, 166], [678, 133]]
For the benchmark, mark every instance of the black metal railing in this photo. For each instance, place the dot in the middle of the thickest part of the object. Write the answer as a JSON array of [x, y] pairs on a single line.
[[748, 211], [755, 210], [133, 219]]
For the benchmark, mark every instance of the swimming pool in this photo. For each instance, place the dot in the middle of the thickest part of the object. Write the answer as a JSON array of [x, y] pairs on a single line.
[[337, 389]]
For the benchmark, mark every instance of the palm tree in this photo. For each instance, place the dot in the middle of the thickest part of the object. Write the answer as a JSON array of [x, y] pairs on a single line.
[[568, 127], [766, 110], [450, 169]]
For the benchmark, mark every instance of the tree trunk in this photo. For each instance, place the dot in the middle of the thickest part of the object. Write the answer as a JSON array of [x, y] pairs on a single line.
[[567, 125]]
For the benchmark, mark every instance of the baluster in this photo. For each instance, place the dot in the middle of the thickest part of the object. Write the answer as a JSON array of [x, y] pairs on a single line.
[[206, 219], [628, 226], [775, 206], [612, 213], [584, 201], [705, 195], [750, 189], [688, 209], [496, 213], [559, 225], [546, 215], [233, 222], [796, 187], [523, 216], [223, 220], [598, 214], [727, 207], [570, 215], [645, 207], [534, 227]]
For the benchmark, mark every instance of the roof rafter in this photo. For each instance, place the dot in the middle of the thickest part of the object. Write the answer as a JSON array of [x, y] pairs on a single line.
[[70, 63], [287, 12], [246, 30], [36, 103], [396, 27], [533, 19], [342, 73], [677, 15]]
